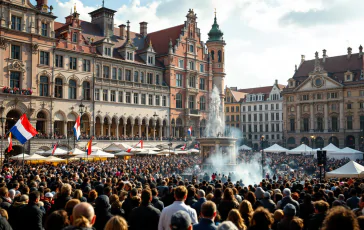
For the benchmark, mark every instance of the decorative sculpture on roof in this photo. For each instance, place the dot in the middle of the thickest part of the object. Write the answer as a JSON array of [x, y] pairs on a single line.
[[318, 67]]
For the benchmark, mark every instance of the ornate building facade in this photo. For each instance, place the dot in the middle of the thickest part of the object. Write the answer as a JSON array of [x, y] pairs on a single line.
[[233, 99], [131, 84], [324, 102]]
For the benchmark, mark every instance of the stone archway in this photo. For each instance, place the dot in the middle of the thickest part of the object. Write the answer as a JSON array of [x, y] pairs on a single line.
[[304, 140], [350, 141], [11, 118], [334, 140], [85, 125], [319, 142]]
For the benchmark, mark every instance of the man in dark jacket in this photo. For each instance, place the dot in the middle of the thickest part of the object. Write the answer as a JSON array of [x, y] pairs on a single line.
[[317, 219], [200, 201], [157, 203], [287, 199], [6, 200], [146, 210], [62, 198], [289, 214], [31, 215], [102, 211], [127, 204], [208, 214], [268, 203], [15, 209]]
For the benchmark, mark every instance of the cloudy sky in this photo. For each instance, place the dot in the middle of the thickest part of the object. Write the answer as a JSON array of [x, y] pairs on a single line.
[[265, 38]]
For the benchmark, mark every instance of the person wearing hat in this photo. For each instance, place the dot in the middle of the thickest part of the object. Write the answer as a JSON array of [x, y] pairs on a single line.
[[48, 199], [181, 220], [268, 203], [289, 214], [102, 211]]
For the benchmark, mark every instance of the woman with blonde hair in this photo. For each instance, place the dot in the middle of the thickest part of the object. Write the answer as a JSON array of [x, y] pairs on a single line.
[[70, 205], [116, 223], [235, 217], [262, 219], [246, 211], [77, 194]]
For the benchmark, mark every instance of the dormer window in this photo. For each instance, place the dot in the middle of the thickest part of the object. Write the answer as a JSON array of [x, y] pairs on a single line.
[[74, 37], [348, 76], [44, 29], [151, 60], [129, 56], [107, 51]]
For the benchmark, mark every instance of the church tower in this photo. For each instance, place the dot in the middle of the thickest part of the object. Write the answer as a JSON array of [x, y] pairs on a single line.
[[216, 47]]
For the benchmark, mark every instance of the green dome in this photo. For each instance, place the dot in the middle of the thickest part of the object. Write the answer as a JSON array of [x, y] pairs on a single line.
[[215, 33]]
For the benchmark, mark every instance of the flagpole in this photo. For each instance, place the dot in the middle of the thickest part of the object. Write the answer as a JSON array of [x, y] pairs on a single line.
[[23, 156]]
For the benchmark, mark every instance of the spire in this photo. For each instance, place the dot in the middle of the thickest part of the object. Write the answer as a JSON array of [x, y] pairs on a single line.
[[150, 43], [103, 3], [215, 33], [75, 8]]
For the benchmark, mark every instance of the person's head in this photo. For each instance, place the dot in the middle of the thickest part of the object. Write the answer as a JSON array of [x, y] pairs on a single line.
[[4, 213], [227, 225], [146, 196], [340, 218], [200, 193], [235, 217], [34, 197], [180, 193], [102, 203], [286, 192], [83, 215], [296, 224], [4, 192], [278, 215], [24, 198], [66, 190], [57, 220], [92, 195], [289, 210], [77, 194], [208, 210], [180, 220], [245, 207], [321, 206], [70, 205], [116, 223], [361, 222], [262, 218], [228, 194]]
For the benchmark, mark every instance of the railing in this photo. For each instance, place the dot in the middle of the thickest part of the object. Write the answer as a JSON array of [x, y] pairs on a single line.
[[318, 130], [333, 130], [291, 131], [304, 131], [193, 111], [17, 91]]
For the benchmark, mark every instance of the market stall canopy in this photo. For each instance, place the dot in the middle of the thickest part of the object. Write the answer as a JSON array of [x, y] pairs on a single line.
[[302, 149], [349, 150], [39, 151], [346, 152], [112, 148], [193, 151], [123, 153], [123, 146], [181, 152], [76, 151], [34, 157], [58, 151], [349, 170], [97, 154], [275, 149], [244, 147], [166, 152], [146, 152], [331, 148], [53, 159], [19, 156]]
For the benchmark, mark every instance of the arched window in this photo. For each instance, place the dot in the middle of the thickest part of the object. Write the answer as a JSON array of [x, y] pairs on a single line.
[[43, 87], [179, 101], [72, 89], [58, 88], [202, 103], [86, 90], [212, 55], [219, 56], [291, 141]]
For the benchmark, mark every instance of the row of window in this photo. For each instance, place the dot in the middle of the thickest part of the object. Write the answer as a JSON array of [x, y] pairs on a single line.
[[191, 65], [191, 102], [233, 109], [118, 96], [333, 107], [191, 82], [319, 124], [254, 128], [267, 137], [273, 117], [255, 107], [16, 24], [232, 118]]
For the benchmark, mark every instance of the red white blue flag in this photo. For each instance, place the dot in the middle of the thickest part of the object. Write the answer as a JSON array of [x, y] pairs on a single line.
[[189, 130], [23, 130], [77, 128]]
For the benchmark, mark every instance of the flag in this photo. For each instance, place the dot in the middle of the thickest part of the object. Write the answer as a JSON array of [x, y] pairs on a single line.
[[140, 144], [10, 143], [196, 146], [183, 147], [189, 131], [129, 149], [77, 128], [54, 148], [23, 130], [89, 146]]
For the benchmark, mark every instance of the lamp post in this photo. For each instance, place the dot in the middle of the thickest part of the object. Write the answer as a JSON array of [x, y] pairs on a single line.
[[81, 109], [261, 145], [155, 115], [2, 120], [312, 140]]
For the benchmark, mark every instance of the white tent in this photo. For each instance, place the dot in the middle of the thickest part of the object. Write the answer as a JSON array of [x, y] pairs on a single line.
[[76, 151], [19, 156], [347, 152], [302, 149], [34, 157], [123, 153], [351, 169], [39, 151], [331, 148], [193, 151], [146, 152], [53, 159], [123, 146], [96, 154], [181, 152], [166, 151], [112, 148], [58, 151], [275, 149], [244, 148]]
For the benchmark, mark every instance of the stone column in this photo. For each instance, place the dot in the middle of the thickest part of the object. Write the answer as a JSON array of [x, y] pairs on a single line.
[[146, 131], [64, 128], [160, 132], [117, 130], [342, 118], [140, 130], [326, 118], [132, 131], [154, 131], [109, 130], [312, 127], [298, 122]]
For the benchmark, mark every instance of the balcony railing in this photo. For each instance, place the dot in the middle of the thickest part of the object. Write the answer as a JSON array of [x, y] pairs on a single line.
[[304, 131], [318, 130], [333, 130], [17, 91]]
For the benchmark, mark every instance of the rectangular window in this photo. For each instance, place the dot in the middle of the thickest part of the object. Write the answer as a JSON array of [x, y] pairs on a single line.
[[150, 60], [97, 70], [272, 107], [260, 107], [121, 94], [334, 124], [112, 95], [249, 117], [244, 118], [349, 106], [164, 101], [97, 94], [227, 109], [142, 77], [127, 75], [349, 122], [331, 95], [272, 127], [361, 93], [266, 107], [232, 118], [255, 108], [157, 100], [349, 93], [73, 63], [157, 80], [15, 79], [237, 108], [260, 117], [128, 97], [232, 109], [306, 124], [192, 82], [305, 97], [227, 118], [191, 65], [266, 128], [44, 58], [114, 73], [136, 76], [129, 56], [255, 128], [150, 99], [277, 127], [181, 63], [120, 74], [255, 117], [191, 102], [144, 100], [237, 118], [15, 23], [150, 78], [106, 72], [266, 117], [191, 49], [179, 80], [201, 68], [86, 65], [59, 61], [277, 116], [15, 52], [136, 97], [104, 95], [243, 108], [74, 37], [249, 108], [292, 124], [272, 116], [44, 29]]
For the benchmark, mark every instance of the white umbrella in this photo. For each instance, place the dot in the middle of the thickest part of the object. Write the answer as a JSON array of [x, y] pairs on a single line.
[[53, 159], [34, 157], [76, 151], [244, 147], [19, 156], [58, 151], [193, 151], [123, 153]]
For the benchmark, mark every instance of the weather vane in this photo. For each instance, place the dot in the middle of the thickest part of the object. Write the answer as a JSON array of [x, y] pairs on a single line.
[[215, 12]]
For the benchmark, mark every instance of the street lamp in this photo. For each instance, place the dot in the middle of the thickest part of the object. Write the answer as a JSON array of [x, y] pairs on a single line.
[[81, 109], [2, 120], [261, 145], [312, 140]]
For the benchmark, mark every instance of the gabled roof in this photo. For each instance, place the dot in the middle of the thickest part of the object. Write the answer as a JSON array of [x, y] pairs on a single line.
[[258, 90], [161, 38], [237, 95]]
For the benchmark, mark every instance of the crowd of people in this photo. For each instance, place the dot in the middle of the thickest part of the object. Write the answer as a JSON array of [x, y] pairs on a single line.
[[151, 193]]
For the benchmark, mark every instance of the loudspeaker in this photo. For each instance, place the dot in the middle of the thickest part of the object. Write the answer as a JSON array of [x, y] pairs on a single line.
[[321, 157]]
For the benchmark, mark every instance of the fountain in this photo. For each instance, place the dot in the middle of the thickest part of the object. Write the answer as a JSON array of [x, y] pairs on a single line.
[[217, 151]]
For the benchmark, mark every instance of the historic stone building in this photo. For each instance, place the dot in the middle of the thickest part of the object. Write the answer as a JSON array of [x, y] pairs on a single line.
[[131, 84], [261, 115], [324, 102], [233, 99]]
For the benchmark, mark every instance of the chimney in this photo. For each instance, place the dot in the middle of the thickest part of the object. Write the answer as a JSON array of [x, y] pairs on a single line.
[[360, 51], [302, 58], [143, 28], [128, 30], [323, 55], [349, 52], [122, 31]]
